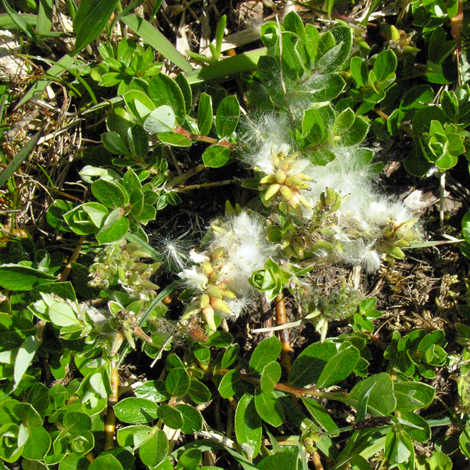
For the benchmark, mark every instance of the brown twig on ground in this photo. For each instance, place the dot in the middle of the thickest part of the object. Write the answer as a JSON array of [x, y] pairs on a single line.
[[281, 319], [110, 425]]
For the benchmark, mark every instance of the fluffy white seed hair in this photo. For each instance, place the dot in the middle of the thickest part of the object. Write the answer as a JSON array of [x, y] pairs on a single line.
[[246, 247]]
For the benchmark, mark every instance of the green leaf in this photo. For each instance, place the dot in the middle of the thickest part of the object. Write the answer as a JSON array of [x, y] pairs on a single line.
[[381, 399], [339, 367], [216, 156], [230, 384], [90, 19], [198, 392], [24, 358], [155, 450], [170, 416], [465, 228], [38, 444], [309, 365], [279, 461], [114, 228], [248, 426], [110, 193], [138, 103], [269, 408], [133, 436], [175, 140], [417, 97], [270, 376], [413, 396], [87, 218], [60, 313], [161, 119], [106, 462], [356, 133], [359, 71], [267, 351], [153, 390], [22, 278], [192, 419], [204, 114], [384, 66], [182, 82], [136, 410], [138, 142], [398, 447], [227, 116], [415, 425], [177, 382], [230, 356], [163, 90]]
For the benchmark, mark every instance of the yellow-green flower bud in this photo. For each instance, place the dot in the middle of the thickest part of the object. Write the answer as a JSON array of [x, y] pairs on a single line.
[[268, 179], [286, 193], [204, 301]]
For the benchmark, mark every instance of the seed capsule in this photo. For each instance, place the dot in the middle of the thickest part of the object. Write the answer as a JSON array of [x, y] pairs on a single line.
[[280, 177], [268, 179], [286, 193], [208, 314], [219, 304], [204, 301], [207, 268], [272, 190], [214, 292]]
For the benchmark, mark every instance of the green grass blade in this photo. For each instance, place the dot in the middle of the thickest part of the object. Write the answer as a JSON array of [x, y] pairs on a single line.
[[6, 21], [154, 38], [91, 18], [226, 68], [43, 25], [18, 20], [19, 158], [54, 72]]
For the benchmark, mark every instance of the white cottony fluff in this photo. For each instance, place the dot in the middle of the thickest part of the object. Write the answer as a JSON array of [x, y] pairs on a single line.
[[246, 247], [194, 279]]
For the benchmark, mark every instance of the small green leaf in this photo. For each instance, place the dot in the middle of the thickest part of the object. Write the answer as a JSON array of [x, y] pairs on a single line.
[[204, 114], [163, 90], [110, 193], [24, 358], [227, 116], [269, 408], [38, 444], [114, 228], [248, 426], [385, 65], [136, 410], [154, 450], [413, 396], [270, 376], [267, 351], [309, 365], [192, 419], [161, 119], [22, 278], [230, 384], [216, 156], [175, 140], [381, 399], [339, 367], [198, 392], [170, 416], [177, 382], [105, 461]]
